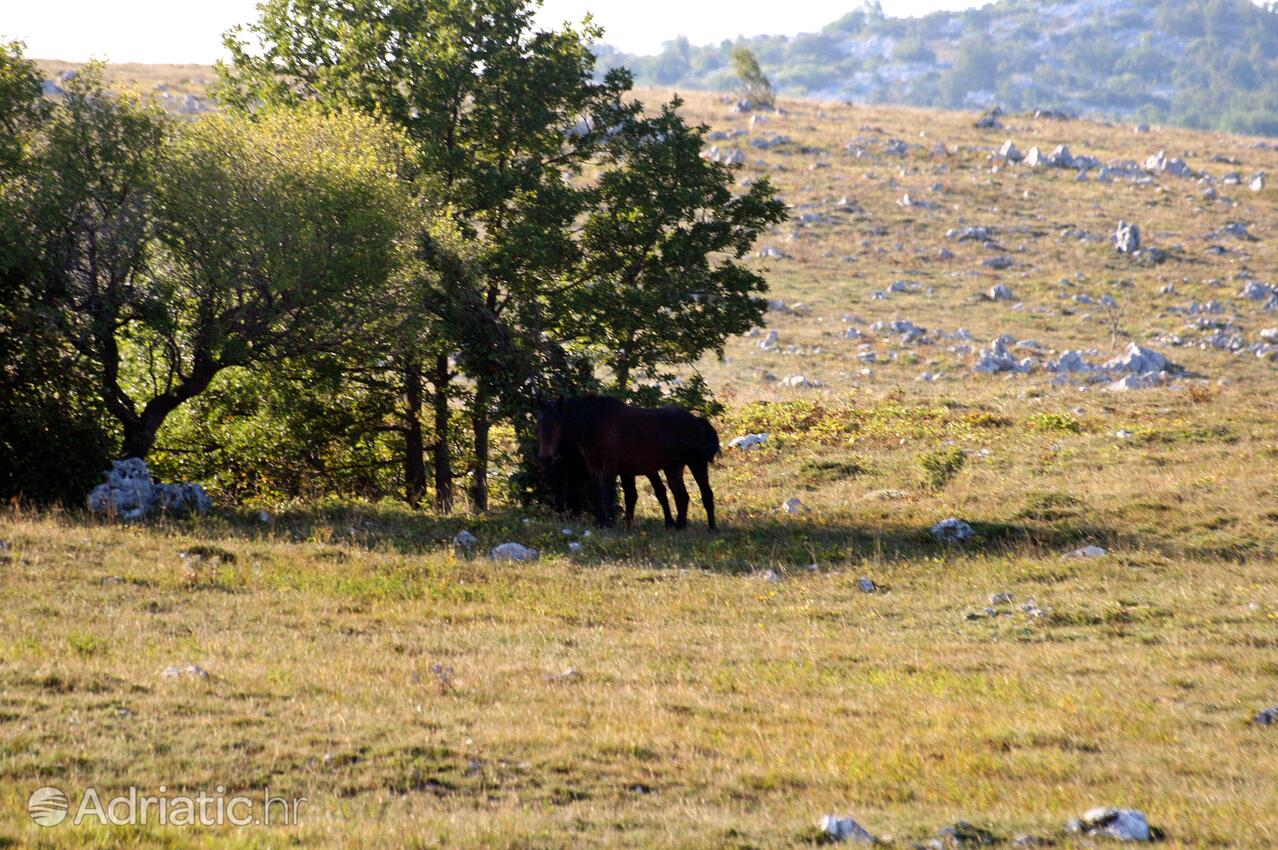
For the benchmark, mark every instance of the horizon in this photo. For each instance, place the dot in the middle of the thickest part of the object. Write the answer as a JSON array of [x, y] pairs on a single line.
[[145, 32]]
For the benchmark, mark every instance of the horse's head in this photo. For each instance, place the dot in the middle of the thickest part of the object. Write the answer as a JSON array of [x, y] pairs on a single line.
[[550, 431]]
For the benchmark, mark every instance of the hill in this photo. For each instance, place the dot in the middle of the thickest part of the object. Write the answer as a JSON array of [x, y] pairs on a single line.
[[942, 318], [1196, 63]]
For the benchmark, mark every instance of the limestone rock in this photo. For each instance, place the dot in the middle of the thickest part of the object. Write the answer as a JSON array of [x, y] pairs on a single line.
[[952, 530], [512, 552], [1122, 824]]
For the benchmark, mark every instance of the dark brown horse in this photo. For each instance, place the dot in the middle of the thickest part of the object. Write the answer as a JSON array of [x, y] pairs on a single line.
[[614, 440]]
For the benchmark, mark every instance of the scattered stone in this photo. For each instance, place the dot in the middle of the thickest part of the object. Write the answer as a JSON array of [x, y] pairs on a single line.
[[996, 358], [841, 829], [866, 585], [998, 263], [999, 292], [799, 382], [770, 342], [512, 552], [574, 546], [952, 530], [1268, 717], [771, 576], [1254, 290], [1127, 238], [792, 505], [1009, 152], [964, 834], [190, 671], [1257, 182], [1142, 361], [465, 538], [770, 253], [747, 441], [964, 234], [1000, 598], [130, 493], [565, 677], [1088, 552], [1122, 824], [989, 120], [1035, 158]]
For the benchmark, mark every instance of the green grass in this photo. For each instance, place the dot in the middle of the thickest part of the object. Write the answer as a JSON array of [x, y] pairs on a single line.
[[708, 707]]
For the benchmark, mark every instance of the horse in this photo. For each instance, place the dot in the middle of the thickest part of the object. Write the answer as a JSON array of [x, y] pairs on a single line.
[[614, 439], [572, 487]]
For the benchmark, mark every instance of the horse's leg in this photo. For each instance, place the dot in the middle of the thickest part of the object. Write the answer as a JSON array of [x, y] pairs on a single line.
[[701, 473], [606, 488], [632, 496], [659, 490], [674, 475]]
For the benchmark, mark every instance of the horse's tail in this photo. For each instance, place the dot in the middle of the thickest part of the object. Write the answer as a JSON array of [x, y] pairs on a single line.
[[712, 440]]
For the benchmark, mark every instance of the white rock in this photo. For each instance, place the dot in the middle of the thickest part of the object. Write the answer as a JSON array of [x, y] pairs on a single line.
[[465, 538], [1142, 361], [747, 441], [792, 505], [771, 576], [574, 546], [130, 493], [263, 516], [1122, 824], [841, 829], [1127, 238], [1009, 152], [866, 585], [1257, 182], [770, 342], [999, 292], [512, 552], [952, 530], [190, 671], [1000, 598], [1088, 552], [1145, 381]]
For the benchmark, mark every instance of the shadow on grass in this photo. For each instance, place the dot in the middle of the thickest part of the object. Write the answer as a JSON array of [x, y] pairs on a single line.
[[747, 545]]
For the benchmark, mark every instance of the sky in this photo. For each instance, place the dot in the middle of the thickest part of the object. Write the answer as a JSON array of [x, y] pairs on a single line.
[[178, 31]]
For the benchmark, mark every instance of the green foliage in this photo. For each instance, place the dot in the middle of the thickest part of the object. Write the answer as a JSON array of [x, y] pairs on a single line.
[[1065, 423], [53, 444], [941, 465], [757, 86]]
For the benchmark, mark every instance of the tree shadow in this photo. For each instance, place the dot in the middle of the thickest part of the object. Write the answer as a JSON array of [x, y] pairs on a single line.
[[787, 544]]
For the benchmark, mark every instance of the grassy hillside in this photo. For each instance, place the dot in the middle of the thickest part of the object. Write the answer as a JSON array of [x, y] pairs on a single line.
[[1197, 63], [696, 690]]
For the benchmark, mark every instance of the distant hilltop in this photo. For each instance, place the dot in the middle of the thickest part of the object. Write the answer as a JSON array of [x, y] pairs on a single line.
[[1209, 64]]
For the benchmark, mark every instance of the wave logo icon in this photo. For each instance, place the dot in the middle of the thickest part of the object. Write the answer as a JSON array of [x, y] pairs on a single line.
[[48, 806]]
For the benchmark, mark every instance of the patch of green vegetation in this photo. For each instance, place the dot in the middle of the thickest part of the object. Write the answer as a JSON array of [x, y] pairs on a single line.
[[940, 466], [1065, 423]]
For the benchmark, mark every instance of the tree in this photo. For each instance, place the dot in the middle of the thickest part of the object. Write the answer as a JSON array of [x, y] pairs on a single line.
[[758, 88], [662, 245], [502, 116], [52, 443], [226, 244]]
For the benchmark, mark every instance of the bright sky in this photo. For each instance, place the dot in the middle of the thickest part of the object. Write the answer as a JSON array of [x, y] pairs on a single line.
[[180, 31]]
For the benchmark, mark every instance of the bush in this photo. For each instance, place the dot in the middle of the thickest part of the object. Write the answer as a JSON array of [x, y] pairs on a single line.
[[940, 466]]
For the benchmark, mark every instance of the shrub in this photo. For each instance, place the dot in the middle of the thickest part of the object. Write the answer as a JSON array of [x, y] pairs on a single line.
[[940, 466]]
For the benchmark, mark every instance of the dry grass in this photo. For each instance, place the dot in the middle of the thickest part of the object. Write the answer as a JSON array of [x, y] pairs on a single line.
[[709, 707]]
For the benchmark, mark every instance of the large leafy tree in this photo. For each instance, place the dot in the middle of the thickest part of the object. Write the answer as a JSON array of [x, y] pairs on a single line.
[[503, 116], [181, 252], [662, 246], [52, 443]]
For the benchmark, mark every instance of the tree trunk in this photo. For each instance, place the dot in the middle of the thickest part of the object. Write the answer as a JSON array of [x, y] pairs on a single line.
[[414, 447], [479, 427], [443, 462], [139, 437]]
